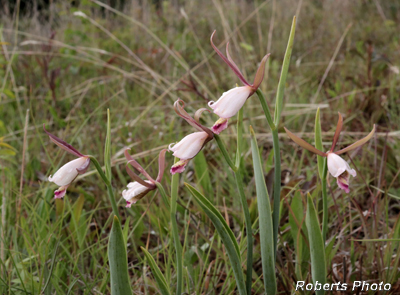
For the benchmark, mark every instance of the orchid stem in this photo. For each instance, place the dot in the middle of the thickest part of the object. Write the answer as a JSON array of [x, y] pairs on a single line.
[[243, 200], [225, 152], [324, 201], [107, 182], [277, 170], [175, 233], [266, 110]]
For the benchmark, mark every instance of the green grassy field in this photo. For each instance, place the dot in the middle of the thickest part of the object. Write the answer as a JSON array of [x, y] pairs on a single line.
[[65, 71]]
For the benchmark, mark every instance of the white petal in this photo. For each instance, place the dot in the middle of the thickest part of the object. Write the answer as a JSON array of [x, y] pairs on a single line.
[[336, 166], [189, 146], [134, 189], [67, 173], [231, 102]]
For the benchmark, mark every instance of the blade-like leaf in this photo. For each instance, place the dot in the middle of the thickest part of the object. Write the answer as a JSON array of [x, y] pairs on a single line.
[[107, 149], [299, 234], [357, 143], [285, 69], [226, 234], [317, 247], [265, 221], [120, 284], [303, 143], [160, 279], [318, 142]]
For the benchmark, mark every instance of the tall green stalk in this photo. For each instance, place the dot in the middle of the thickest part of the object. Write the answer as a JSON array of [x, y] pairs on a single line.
[[239, 183], [243, 201], [324, 201], [175, 233]]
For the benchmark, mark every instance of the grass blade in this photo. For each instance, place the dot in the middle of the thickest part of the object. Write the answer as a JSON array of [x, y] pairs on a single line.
[[265, 221], [226, 234], [107, 148], [317, 248], [120, 283], [160, 279]]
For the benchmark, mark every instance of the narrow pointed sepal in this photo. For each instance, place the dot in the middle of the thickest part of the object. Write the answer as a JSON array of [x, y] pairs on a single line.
[[337, 132], [304, 144], [228, 62], [260, 73], [62, 144], [357, 143]]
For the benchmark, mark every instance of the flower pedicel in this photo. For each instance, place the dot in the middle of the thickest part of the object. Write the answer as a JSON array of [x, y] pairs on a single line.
[[337, 167]]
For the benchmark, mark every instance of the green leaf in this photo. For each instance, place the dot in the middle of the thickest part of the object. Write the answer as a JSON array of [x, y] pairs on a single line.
[[297, 230], [226, 234], [317, 247], [160, 279], [282, 80], [318, 142], [120, 283], [107, 149], [265, 221]]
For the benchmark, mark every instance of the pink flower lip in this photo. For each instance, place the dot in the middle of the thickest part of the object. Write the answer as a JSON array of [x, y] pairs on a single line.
[[220, 125]]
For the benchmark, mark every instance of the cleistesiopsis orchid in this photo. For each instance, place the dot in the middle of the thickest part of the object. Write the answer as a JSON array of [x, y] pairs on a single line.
[[191, 144], [67, 173], [337, 167], [233, 100], [137, 189]]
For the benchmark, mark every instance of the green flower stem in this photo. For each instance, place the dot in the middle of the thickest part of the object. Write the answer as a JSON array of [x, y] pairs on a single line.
[[225, 152], [175, 233], [277, 171], [108, 184], [324, 201], [249, 233], [266, 109], [243, 200]]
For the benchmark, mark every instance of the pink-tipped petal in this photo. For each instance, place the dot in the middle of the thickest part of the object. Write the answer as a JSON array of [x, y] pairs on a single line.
[[343, 184], [220, 125], [128, 204], [60, 192], [179, 167]]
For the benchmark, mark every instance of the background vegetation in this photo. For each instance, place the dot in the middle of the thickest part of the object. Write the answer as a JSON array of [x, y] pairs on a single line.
[[65, 70]]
